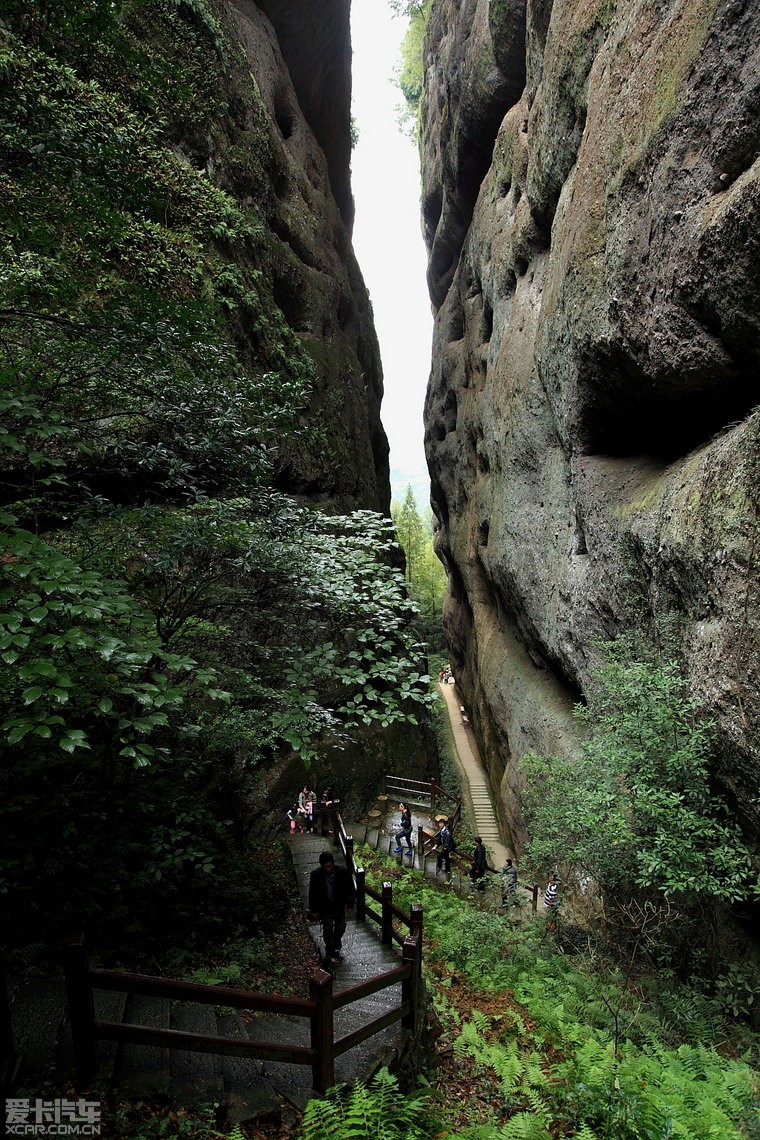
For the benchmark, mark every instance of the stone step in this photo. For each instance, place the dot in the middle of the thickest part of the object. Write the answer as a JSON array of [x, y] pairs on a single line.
[[144, 1069], [38, 1021], [196, 1078], [248, 1096], [109, 1006]]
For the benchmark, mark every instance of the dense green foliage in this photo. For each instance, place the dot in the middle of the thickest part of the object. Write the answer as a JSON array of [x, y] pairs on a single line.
[[169, 623], [574, 1048], [425, 575], [411, 70], [378, 1109], [634, 813]]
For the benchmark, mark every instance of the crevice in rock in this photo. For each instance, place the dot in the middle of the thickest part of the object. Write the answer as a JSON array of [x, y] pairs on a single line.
[[579, 536], [618, 418], [486, 321], [294, 242], [290, 295], [456, 324], [450, 409], [283, 112]]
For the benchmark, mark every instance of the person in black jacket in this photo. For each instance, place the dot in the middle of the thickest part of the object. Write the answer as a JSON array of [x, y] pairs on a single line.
[[331, 896], [478, 868], [444, 842], [405, 829]]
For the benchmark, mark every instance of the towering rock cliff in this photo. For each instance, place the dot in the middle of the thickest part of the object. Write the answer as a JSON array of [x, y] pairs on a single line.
[[297, 62], [591, 200]]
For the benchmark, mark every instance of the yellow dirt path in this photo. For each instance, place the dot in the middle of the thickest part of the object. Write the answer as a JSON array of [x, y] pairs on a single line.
[[472, 767]]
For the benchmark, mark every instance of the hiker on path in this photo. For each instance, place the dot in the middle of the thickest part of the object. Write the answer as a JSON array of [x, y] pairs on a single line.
[[295, 820], [405, 830], [551, 898], [330, 798], [444, 841], [478, 868], [331, 897], [508, 884], [306, 800]]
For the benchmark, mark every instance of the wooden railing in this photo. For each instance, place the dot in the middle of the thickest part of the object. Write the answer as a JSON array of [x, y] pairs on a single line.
[[399, 788], [402, 789], [319, 1007]]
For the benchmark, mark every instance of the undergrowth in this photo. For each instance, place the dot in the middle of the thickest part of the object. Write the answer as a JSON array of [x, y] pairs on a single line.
[[545, 1045]]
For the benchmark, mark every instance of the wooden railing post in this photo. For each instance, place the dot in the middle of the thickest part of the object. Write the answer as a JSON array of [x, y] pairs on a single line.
[[415, 930], [534, 900], [361, 894], [410, 985], [323, 1069], [81, 1007], [387, 926], [336, 826]]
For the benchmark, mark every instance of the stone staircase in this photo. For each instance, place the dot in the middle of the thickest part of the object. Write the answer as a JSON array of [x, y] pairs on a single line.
[[244, 1089], [251, 1089]]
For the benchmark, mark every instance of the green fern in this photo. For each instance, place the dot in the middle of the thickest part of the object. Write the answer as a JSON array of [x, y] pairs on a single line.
[[585, 1133], [525, 1126], [480, 1020], [374, 1111]]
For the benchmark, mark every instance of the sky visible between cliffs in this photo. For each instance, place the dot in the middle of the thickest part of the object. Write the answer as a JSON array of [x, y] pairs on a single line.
[[388, 239]]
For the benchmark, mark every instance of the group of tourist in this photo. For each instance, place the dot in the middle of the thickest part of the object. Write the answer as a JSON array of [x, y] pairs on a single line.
[[331, 888], [301, 814]]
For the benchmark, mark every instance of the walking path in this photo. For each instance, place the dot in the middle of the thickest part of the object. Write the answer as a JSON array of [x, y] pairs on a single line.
[[253, 1089], [472, 766]]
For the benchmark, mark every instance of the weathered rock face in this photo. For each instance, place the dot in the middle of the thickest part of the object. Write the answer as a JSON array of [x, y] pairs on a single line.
[[590, 430], [299, 179]]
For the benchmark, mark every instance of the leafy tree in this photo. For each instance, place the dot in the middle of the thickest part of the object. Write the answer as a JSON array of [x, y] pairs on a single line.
[[410, 72], [634, 810], [424, 572], [411, 532]]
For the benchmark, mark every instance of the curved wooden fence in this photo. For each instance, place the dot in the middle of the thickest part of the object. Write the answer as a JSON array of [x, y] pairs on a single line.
[[319, 1007]]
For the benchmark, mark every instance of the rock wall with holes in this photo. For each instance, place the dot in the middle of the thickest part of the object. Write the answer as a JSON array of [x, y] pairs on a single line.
[[292, 61], [591, 204]]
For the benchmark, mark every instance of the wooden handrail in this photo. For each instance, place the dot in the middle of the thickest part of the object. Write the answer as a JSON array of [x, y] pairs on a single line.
[[200, 1043], [319, 1007], [369, 1030], [196, 992], [372, 986]]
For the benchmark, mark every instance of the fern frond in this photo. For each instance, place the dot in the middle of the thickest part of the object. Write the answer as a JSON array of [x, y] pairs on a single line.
[[586, 1133], [480, 1020], [525, 1126]]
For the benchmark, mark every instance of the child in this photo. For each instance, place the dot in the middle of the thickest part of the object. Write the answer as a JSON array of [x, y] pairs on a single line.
[[295, 822]]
